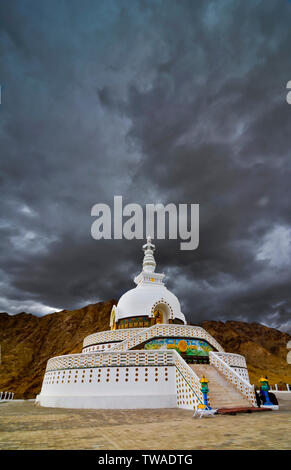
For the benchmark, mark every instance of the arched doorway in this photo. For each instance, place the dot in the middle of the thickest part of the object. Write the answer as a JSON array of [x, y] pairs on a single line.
[[161, 313]]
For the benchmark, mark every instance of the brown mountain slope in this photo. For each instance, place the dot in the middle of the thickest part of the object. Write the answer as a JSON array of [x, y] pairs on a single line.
[[27, 342], [265, 349]]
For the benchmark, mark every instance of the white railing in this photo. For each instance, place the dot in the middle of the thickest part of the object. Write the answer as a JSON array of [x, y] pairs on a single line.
[[113, 359], [98, 347], [191, 383], [110, 336], [183, 331], [288, 388], [242, 385], [6, 396], [234, 360]]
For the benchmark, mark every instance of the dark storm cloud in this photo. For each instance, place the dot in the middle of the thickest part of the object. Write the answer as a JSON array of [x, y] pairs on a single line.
[[158, 101]]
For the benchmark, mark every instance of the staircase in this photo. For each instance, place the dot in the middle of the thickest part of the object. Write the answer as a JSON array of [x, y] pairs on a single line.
[[222, 394]]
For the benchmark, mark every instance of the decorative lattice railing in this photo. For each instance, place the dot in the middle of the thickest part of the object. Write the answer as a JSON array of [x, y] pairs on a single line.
[[6, 395], [242, 385], [183, 331], [110, 336], [233, 360], [188, 387], [104, 359]]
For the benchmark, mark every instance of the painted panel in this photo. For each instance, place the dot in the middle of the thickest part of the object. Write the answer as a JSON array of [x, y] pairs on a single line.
[[190, 347]]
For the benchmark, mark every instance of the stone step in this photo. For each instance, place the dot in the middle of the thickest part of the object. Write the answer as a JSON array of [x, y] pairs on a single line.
[[222, 394], [230, 402]]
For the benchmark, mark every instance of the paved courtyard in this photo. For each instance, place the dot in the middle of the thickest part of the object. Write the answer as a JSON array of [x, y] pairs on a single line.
[[26, 426]]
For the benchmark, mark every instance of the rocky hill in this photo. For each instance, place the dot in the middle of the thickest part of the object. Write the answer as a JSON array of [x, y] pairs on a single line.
[[264, 348], [28, 341]]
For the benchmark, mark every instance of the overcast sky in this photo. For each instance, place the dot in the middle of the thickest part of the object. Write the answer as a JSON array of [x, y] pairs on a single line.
[[158, 101]]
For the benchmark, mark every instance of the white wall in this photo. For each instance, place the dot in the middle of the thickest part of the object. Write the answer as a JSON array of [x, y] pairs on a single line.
[[110, 387]]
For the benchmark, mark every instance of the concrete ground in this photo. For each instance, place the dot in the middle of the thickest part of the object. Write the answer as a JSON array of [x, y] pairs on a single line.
[[26, 426]]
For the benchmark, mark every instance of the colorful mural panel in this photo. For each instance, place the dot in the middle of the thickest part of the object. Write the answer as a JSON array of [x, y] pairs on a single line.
[[190, 347]]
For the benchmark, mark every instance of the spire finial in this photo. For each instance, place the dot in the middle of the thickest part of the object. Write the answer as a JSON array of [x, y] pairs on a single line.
[[149, 263]]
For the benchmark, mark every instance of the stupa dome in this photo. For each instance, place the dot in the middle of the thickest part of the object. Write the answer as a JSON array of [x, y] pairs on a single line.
[[151, 298], [145, 300]]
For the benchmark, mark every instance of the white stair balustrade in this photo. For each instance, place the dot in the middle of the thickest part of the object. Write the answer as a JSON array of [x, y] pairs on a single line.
[[236, 362], [189, 395], [241, 384]]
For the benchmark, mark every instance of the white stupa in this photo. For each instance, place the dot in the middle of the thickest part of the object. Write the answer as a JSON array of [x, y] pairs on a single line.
[[150, 358]]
